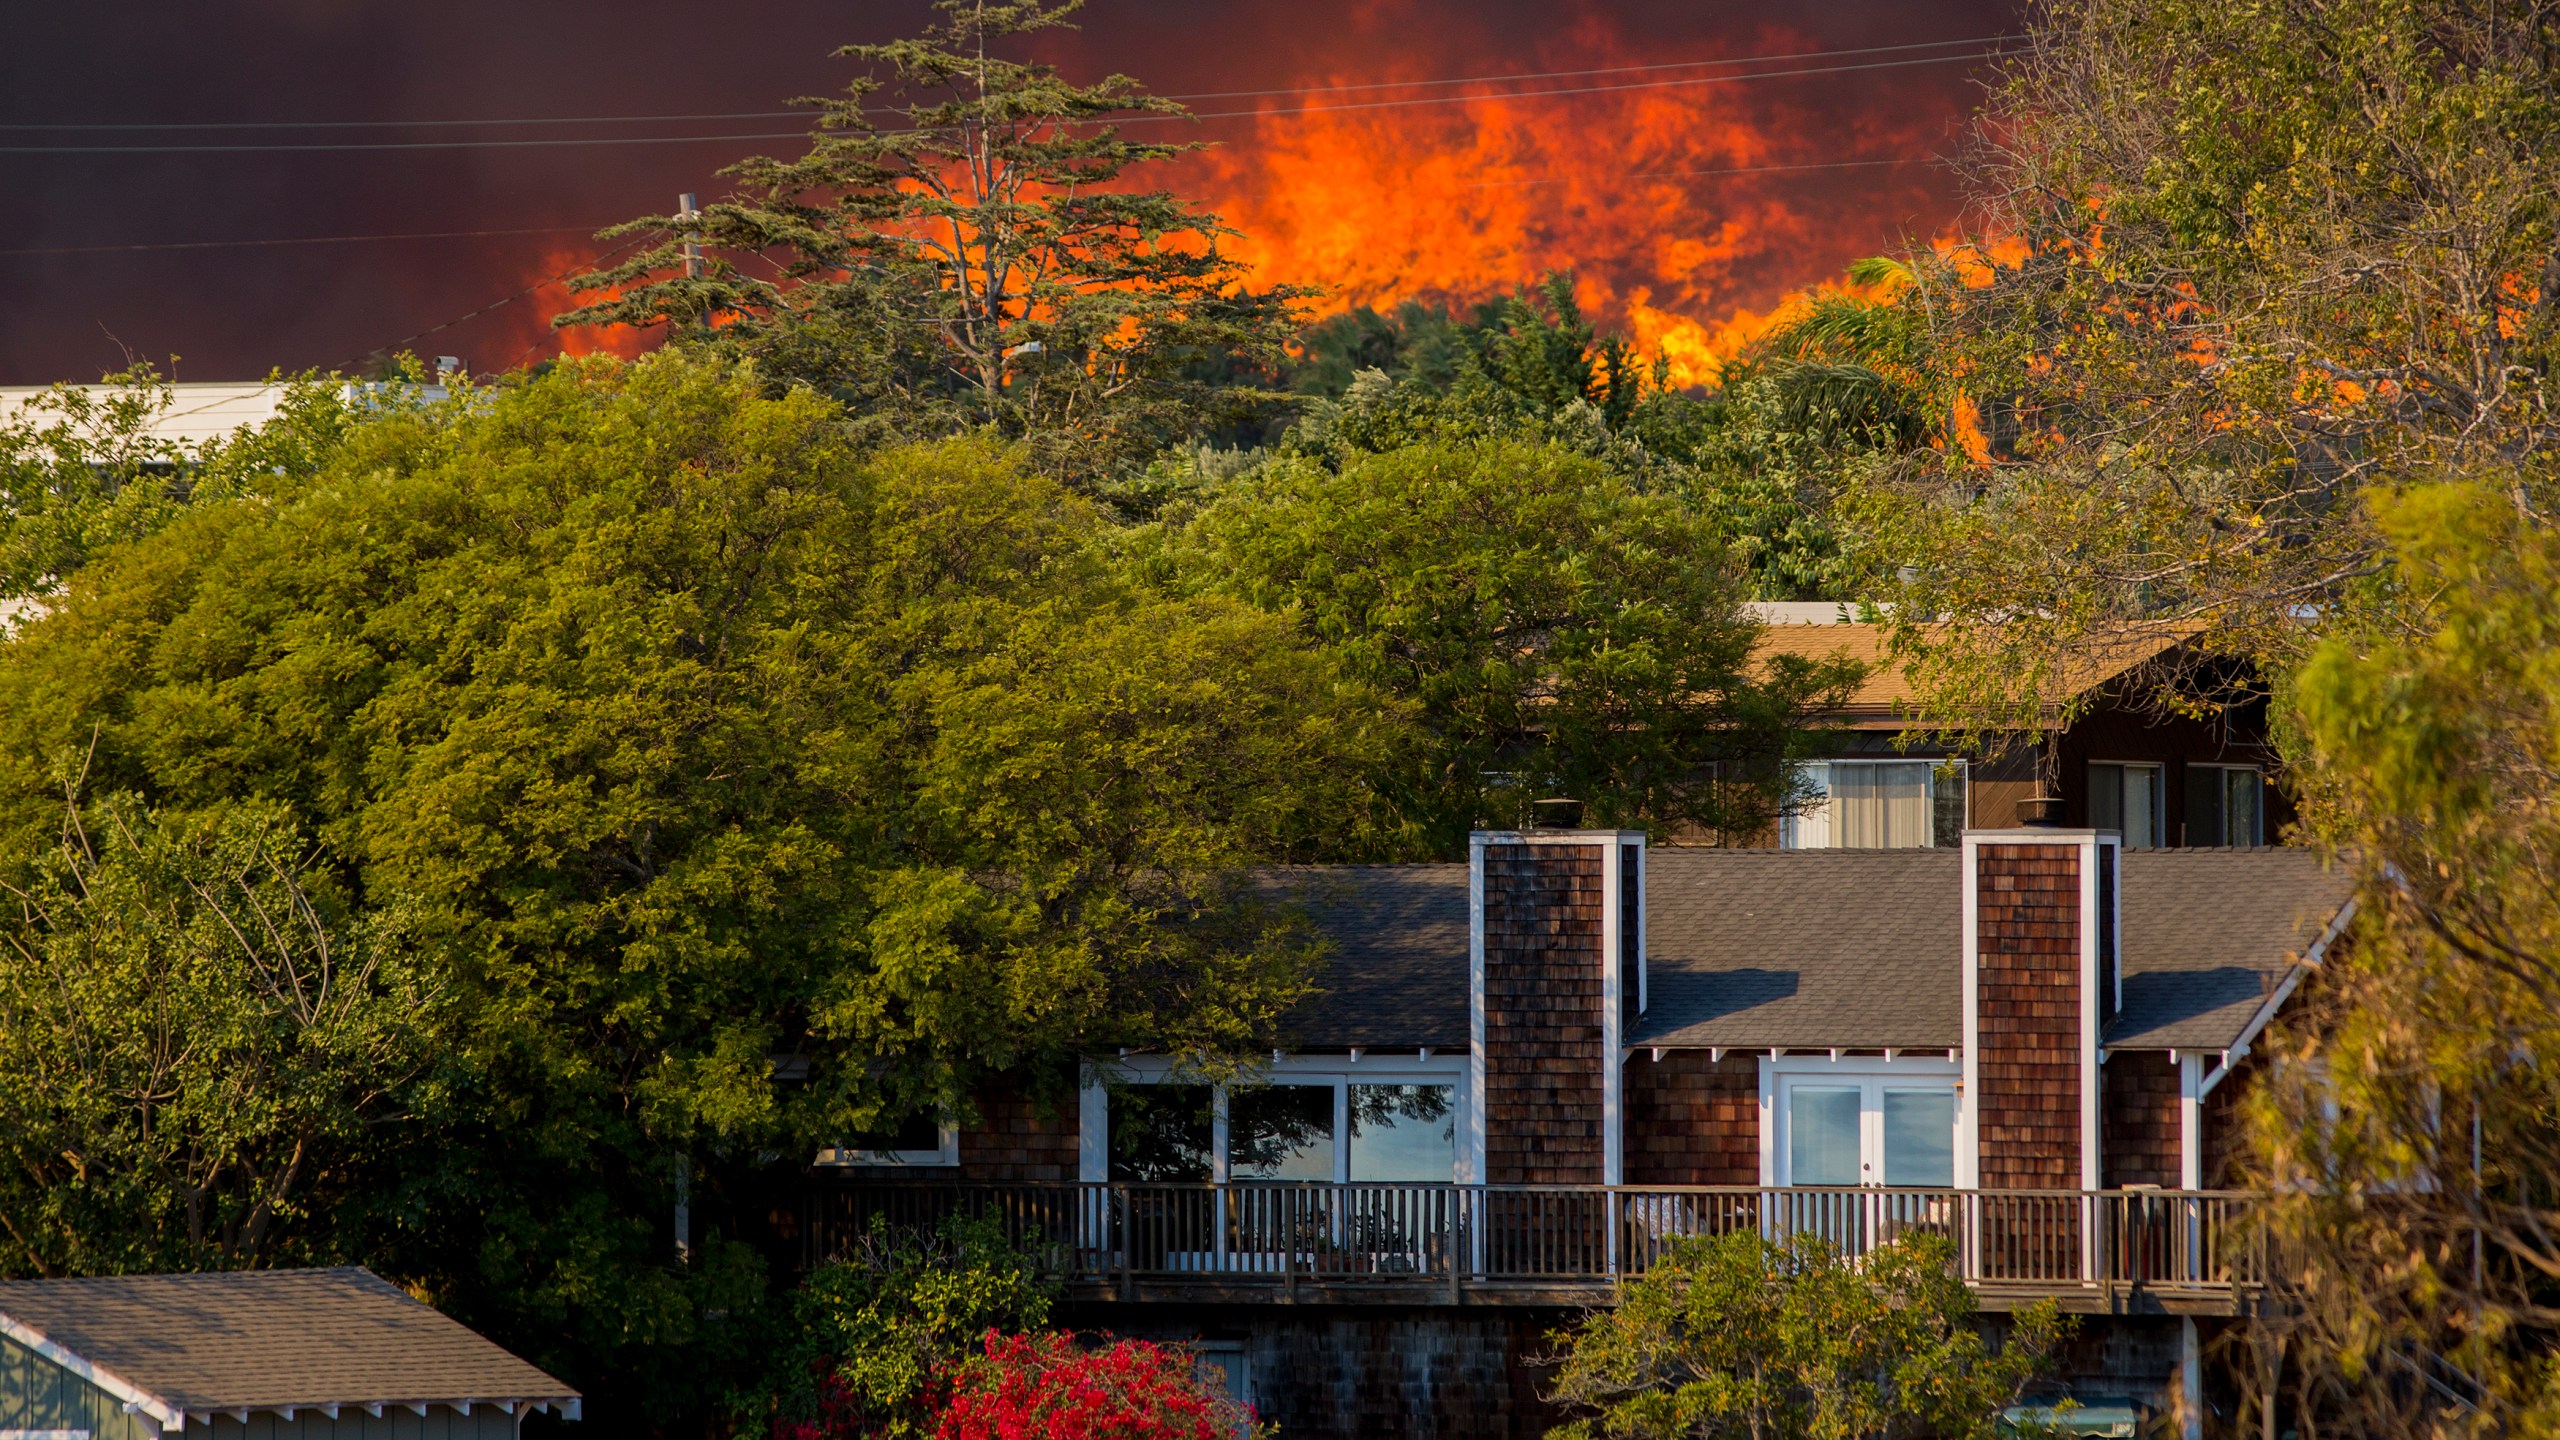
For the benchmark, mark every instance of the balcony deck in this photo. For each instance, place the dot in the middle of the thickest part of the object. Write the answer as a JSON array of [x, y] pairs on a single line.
[[2173, 1252]]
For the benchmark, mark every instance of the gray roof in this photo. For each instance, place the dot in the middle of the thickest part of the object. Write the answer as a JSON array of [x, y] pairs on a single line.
[[1803, 948], [265, 1339], [2210, 934], [1398, 976], [1808, 949]]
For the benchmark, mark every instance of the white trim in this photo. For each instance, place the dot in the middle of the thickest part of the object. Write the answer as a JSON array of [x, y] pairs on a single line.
[[1472, 1169], [2266, 1013], [2190, 1381], [2190, 1119], [1613, 1006], [1871, 1076], [134, 1397], [1093, 1127], [2092, 1013], [1969, 1083], [1644, 954]]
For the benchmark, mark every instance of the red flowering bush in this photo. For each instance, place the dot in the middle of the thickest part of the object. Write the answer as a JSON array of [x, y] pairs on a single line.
[[1044, 1387]]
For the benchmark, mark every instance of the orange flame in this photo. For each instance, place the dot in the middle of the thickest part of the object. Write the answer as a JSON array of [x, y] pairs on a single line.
[[1635, 190]]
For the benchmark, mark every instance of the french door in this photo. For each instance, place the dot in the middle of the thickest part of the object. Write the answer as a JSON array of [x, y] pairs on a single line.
[[1880, 1133]]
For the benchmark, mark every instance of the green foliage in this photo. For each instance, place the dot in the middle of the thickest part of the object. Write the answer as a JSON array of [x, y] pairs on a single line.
[[979, 260], [693, 732], [873, 1335], [201, 1049], [2251, 258], [2408, 1123], [1555, 628], [1745, 1337]]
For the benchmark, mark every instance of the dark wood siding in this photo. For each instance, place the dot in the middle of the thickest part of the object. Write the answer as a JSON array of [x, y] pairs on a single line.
[[1543, 972], [1693, 1121], [2227, 1157], [2138, 1118], [2028, 989]]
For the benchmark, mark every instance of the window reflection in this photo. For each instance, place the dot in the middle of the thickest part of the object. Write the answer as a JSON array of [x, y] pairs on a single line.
[[1280, 1132], [1162, 1134], [1403, 1133]]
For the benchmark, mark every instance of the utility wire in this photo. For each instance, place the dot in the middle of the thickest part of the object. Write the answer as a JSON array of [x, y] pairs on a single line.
[[580, 268], [306, 240], [1203, 95], [554, 143]]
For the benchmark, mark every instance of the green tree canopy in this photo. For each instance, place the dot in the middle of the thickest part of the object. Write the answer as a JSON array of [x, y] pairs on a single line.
[[1746, 1337], [980, 259], [1557, 629], [702, 737], [2411, 1124]]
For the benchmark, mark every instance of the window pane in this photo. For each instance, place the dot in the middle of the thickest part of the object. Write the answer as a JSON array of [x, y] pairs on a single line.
[[1947, 804], [2106, 797], [2242, 807], [1404, 1132], [2141, 805], [1881, 806], [1162, 1133], [1822, 1136], [2204, 805], [1919, 1137], [1280, 1132]]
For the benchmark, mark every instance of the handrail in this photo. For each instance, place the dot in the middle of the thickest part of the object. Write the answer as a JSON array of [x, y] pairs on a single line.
[[1283, 1234]]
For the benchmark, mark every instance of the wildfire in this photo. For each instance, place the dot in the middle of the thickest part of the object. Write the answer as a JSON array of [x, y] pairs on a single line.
[[1683, 211]]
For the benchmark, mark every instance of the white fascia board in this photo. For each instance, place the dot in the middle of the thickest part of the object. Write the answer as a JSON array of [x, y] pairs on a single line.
[[1969, 1082], [1613, 1009], [2092, 1016], [133, 1397], [1554, 837], [2190, 1121], [2239, 1048], [1471, 1153]]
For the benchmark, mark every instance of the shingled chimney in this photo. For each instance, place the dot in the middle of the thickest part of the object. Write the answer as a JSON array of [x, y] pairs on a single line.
[[2040, 983], [1556, 979]]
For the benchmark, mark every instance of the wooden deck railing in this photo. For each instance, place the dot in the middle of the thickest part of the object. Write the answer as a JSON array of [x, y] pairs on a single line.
[[1408, 1238]]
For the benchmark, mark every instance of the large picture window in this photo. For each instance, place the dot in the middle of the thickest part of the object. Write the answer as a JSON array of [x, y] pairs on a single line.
[[1879, 805], [1305, 1124]]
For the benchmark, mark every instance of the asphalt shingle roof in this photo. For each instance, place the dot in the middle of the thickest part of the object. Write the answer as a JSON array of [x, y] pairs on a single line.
[[1398, 976], [1808, 949], [265, 1339]]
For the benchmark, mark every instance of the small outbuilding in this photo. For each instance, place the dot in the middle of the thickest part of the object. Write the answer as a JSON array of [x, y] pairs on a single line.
[[336, 1354]]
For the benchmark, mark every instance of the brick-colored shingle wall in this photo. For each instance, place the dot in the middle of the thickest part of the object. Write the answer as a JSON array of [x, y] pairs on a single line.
[[2138, 1118], [1543, 971], [1019, 1139], [2028, 989], [1693, 1121], [2226, 1136]]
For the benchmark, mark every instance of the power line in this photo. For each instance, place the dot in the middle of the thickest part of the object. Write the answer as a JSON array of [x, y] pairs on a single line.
[[305, 240], [580, 268], [1732, 170], [555, 143], [1203, 95]]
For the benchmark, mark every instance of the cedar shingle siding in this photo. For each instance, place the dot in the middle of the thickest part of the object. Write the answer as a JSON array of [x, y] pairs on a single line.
[[1020, 1140], [2138, 1119], [1693, 1121], [2028, 937], [1542, 995]]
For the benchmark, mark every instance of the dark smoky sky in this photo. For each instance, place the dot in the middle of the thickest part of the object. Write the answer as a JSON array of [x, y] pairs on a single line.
[[229, 313]]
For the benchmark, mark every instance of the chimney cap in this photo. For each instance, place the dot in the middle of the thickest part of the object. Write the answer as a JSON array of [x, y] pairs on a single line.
[[1556, 813], [2041, 812]]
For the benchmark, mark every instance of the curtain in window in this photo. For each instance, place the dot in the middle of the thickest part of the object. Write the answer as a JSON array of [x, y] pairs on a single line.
[[1881, 807]]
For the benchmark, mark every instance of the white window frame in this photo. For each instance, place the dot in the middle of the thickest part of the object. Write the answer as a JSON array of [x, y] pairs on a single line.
[[946, 1155], [2159, 795], [1811, 829], [1339, 1071], [1872, 1075]]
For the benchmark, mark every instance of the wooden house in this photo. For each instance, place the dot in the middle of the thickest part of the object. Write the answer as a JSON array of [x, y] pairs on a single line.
[[254, 1355], [1530, 1072]]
